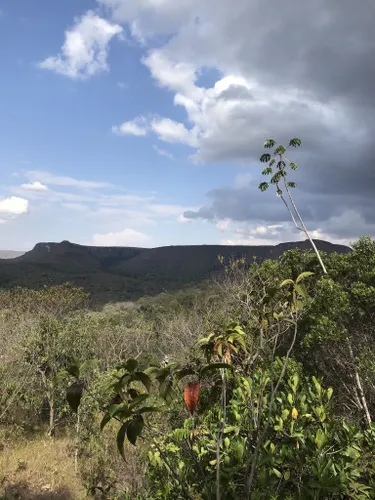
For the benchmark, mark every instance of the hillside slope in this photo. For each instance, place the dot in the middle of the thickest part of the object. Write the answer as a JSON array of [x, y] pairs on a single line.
[[121, 273]]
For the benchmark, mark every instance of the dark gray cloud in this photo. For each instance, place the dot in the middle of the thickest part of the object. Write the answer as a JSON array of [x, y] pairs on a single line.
[[325, 51], [309, 71]]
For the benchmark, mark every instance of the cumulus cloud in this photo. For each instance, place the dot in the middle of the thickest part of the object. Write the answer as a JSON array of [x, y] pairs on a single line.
[[304, 70], [34, 186], [85, 50], [137, 127], [13, 207], [171, 131], [126, 237]]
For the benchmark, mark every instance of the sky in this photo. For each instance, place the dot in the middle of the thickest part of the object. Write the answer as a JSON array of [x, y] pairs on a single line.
[[141, 122]]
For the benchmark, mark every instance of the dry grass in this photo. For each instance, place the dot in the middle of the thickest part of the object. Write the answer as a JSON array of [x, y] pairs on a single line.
[[39, 469]]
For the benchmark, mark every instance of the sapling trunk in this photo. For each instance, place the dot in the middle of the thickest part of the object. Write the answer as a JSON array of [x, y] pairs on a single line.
[[220, 435]]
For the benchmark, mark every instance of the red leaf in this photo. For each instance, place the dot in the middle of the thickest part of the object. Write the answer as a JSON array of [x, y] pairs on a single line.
[[191, 396]]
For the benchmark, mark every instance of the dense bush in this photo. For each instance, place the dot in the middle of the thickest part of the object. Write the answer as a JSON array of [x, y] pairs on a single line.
[[284, 364]]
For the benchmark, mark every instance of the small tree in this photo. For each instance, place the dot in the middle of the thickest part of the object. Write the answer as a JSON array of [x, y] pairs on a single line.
[[278, 175]]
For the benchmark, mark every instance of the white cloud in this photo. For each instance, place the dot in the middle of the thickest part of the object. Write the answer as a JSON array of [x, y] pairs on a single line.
[[54, 180], [136, 127], [174, 75], [34, 186], [13, 206], [85, 49], [167, 130], [163, 152], [126, 237], [171, 131]]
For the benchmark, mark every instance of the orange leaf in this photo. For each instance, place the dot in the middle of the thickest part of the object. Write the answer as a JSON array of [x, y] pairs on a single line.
[[227, 356], [191, 396]]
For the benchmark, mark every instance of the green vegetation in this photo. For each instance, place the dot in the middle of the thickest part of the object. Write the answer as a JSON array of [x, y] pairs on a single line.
[[274, 361], [257, 384], [117, 274]]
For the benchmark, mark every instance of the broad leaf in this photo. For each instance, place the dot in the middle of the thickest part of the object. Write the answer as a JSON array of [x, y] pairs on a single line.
[[191, 396], [270, 143], [149, 409], [137, 400], [304, 275], [144, 378], [295, 142], [73, 370], [74, 395], [286, 282], [134, 429], [265, 158], [121, 438], [107, 417]]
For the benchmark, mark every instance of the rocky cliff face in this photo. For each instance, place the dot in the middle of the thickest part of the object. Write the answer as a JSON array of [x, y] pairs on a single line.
[[89, 255]]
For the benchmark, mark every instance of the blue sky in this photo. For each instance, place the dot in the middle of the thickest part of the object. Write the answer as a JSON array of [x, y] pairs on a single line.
[[139, 122]]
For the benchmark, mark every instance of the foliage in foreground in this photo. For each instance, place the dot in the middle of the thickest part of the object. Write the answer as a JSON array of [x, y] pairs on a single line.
[[264, 357]]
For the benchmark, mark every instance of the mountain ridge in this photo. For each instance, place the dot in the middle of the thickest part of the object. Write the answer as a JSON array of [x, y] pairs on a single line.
[[123, 273]]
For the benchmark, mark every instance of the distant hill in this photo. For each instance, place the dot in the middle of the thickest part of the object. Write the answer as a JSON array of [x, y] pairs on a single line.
[[122, 273], [10, 254]]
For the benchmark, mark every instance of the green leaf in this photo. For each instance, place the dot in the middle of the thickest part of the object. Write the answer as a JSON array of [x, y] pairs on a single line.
[[137, 400], [121, 411], [295, 142], [107, 417], [62, 375], [145, 379], [301, 290], [293, 165], [304, 275], [134, 429], [321, 439], [281, 165], [73, 370], [131, 365], [286, 282], [277, 473], [265, 158], [267, 171], [287, 475], [270, 143], [121, 438], [291, 184], [263, 186], [329, 393], [285, 414], [149, 409], [215, 366], [279, 150], [74, 395], [276, 178]]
